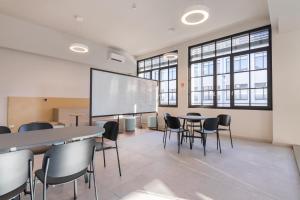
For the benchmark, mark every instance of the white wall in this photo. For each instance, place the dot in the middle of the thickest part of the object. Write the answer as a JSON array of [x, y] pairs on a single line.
[[36, 61], [23, 74], [245, 123], [286, 87]]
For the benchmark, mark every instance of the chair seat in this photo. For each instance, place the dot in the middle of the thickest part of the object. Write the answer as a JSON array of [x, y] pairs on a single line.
[[55, 181], [40, 149], [100, 146], [14, 193]]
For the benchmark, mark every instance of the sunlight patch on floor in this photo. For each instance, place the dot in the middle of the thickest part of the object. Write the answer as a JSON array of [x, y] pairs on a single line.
[[143, 195]]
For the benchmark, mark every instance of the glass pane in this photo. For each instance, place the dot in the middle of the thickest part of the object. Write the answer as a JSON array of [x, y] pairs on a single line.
[[163, 62], [141, 75], [172, 62], [207, 68], [155, 75], [172, 86], [141, 66], [259, 79], [241, 63], [241, 97], [240, 43], [164, 75], [196, 70], [172, 98], [164, 99], [259, 97], [241, 80], [223, 98], [259, 60], [195, 53], [147, 75], [208, 98], [148, 64], [196, 98], [223, 82], [208, 82], [164, 86], [209, 50], [196, 84], [223, 47], [155, 62], [172, 73], [223, 65], [259, 39]]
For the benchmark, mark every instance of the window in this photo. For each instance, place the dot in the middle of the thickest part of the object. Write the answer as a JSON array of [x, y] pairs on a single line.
[[232, 72], [165, 72]]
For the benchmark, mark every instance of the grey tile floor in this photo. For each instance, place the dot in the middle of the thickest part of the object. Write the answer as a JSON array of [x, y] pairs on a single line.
[[251, 170]]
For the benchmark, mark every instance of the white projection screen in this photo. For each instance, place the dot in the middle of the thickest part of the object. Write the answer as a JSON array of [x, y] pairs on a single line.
[[117, 94]]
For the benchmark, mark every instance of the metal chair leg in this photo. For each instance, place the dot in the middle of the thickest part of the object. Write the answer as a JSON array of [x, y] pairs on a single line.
[[230, 137], [118, 159], [219, 142], [94, 179], [44, 191], [103, 151], [178, 140], [75, 189], [204, 144]]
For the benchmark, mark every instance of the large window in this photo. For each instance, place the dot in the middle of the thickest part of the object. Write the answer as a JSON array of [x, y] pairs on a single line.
[[232, 72], [165, 72]]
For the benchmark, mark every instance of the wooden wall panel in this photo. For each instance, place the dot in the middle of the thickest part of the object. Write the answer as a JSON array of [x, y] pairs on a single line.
[[23, 110]]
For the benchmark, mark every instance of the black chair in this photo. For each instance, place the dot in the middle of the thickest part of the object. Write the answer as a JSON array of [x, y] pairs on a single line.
[[224, 122], [175, 126], [66, 163], [4, 129], [111, 133], [33, 127], [166, 127], [15, 173], [210, 126]]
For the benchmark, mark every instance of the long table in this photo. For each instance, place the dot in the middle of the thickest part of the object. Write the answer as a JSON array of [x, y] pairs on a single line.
[[47, 137]]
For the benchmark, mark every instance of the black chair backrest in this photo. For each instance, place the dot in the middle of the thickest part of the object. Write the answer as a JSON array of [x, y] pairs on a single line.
[[35, 126], [4, 129], [211, 124], [14, 170], [173, 122], [69, 159], [111, 130], [193, 114], [224, 120]]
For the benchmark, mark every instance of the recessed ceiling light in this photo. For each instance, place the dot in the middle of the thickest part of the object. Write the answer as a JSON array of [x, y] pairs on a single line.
[[79, 48], [195, 15], [170, 56], [78, 18], [133, 6]]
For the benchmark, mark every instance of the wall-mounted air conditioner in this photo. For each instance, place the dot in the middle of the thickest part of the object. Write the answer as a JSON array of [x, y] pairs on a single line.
[[116, 57]]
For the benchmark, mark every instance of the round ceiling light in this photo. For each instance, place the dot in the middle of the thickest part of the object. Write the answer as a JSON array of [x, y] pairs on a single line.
[[195, 15], [170, 56], [79, 48]]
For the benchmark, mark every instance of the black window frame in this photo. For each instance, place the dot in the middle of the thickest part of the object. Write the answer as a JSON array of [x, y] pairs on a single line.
[[159, 68], [231, 55]]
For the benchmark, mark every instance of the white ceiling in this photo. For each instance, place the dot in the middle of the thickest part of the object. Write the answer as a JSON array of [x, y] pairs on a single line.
[[137, 31]]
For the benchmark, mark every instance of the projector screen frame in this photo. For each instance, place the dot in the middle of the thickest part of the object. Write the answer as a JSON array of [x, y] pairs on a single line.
[[118, 114]]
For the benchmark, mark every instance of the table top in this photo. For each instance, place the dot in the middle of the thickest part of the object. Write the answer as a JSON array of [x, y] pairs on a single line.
[[191, 117], [47, 137]]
